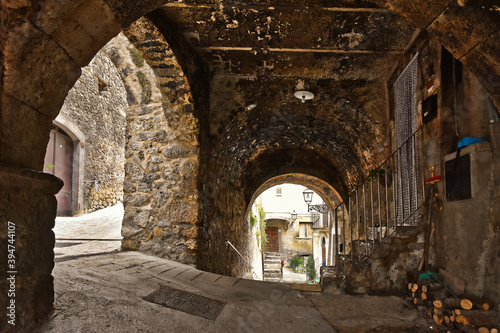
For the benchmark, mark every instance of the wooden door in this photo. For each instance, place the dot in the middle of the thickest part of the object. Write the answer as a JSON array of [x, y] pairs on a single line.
[[272, 240], [59, 162], [323, 252]]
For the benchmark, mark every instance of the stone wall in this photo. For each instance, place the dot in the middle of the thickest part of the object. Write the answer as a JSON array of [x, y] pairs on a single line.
[[160, 199], [161, 168], [384, 273], [96, 106], [31, 245], [103, 193], [465, 242]]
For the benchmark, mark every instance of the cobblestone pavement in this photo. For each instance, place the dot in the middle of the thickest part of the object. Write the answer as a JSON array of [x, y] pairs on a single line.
[[100, 289]]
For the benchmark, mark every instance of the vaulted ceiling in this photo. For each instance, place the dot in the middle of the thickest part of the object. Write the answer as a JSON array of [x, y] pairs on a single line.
[[258, 53]]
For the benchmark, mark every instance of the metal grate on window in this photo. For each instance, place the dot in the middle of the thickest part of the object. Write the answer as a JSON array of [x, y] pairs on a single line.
[[405, 122]]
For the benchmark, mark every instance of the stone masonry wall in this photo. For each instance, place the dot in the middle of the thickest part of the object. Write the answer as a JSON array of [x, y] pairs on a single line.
[[160, 188], [96, 105], [161, 168]]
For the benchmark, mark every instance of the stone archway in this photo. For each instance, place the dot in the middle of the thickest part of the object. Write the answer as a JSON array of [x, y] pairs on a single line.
[[44, 46], [328, 194]]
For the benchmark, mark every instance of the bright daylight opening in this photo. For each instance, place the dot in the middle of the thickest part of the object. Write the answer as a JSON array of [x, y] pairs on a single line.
[[289, 238]]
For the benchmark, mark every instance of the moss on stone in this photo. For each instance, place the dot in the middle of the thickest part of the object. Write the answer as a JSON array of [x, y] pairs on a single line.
[[137, 57], [146, 87]]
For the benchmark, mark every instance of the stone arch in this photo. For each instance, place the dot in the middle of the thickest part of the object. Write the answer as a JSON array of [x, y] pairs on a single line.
[[326, 191], [44, 46], [32, 33]]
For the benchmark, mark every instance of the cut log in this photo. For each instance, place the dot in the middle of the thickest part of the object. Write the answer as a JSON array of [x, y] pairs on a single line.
[[482, 304], [414, 288], [438, 319], [438, 304], [477, 318], [466, 304], [483, 330], [462, 320], [493, 330], [431, 286], [451, 303]]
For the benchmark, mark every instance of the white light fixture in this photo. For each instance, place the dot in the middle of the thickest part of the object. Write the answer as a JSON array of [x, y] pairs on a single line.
[[304, 95], [308, 196]]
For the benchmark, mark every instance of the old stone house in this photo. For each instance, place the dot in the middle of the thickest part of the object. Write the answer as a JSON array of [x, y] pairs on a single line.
[[87, 144], [235, 116]]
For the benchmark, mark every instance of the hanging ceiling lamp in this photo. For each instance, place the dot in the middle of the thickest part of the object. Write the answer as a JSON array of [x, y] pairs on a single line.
[[304, 95]]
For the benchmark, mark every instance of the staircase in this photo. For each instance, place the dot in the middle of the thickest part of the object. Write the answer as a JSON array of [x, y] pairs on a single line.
[[272, 267], [383, 272], [377, 228]]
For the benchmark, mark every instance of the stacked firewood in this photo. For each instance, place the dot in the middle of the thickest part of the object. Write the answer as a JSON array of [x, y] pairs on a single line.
[[454, 314]]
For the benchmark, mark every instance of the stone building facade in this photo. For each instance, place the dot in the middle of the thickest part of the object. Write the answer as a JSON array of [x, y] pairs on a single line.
[[94, 115]]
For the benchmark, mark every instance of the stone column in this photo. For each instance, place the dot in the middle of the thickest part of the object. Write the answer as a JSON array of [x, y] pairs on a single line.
[[28, 210]]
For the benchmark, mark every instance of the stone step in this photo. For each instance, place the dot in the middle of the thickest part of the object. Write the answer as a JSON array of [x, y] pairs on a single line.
[[266, 266], [272, 255], [272, 261], [272, 279], [277, 276], [272, 273]]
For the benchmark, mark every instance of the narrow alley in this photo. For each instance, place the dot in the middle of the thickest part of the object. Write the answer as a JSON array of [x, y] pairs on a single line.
[[99, 289]]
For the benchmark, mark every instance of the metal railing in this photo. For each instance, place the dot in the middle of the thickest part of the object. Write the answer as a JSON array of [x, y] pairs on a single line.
[[245, 259], [388, 199]]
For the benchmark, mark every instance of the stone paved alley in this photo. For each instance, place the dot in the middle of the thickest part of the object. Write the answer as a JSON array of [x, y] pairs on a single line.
[[99, 289]]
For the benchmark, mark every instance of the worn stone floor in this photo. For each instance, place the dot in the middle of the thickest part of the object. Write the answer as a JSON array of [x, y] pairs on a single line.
[[100, 289], [289, 276]]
